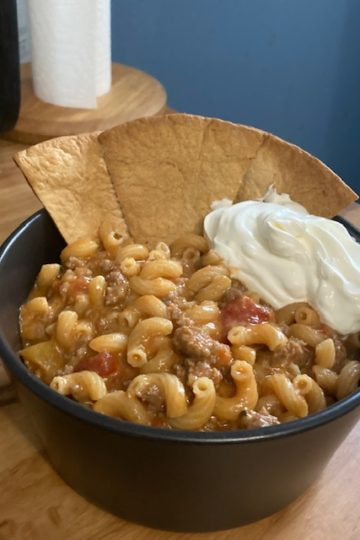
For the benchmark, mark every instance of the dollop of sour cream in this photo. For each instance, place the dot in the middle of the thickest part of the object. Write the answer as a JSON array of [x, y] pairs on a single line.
[[275, 248]]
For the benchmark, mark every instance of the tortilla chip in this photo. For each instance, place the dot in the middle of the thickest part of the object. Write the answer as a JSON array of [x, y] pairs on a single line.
[[292, 170], [167, 170], [70, 178]]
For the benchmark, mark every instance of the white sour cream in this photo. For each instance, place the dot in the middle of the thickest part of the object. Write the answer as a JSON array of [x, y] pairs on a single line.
[[286, 255]]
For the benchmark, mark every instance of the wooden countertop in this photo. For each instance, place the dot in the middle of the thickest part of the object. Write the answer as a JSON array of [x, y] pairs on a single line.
[[36, 504]]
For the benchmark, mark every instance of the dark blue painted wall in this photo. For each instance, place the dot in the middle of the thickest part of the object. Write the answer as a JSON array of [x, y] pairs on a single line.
[[288, 66]]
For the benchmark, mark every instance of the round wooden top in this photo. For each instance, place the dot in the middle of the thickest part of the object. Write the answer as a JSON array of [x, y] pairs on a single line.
[[133, 94]]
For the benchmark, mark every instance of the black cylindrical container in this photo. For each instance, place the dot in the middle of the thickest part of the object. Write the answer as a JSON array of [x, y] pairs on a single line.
[[161, 478], [9, 66]]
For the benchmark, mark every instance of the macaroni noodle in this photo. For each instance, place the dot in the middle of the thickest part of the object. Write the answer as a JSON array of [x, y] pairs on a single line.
[[167, 338]]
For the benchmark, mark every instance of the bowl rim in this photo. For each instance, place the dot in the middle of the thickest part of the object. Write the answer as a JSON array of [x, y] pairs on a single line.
[[20, 372]]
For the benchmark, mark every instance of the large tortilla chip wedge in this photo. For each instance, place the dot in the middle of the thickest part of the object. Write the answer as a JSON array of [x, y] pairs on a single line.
[[70, 178], [292, 170], [168, 170]]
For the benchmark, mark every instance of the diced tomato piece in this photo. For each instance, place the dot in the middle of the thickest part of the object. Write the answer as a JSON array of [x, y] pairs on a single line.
[[244, 311], [104, 364], [121, 378], [80, 284], [55, 285], [159, 422], [325, 329]]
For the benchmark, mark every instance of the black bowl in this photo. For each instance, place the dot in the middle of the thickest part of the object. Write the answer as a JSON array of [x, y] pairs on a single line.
[[161, 478]]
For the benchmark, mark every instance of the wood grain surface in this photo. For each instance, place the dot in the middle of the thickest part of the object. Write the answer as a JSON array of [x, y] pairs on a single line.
[[133, 94], [35, 504]]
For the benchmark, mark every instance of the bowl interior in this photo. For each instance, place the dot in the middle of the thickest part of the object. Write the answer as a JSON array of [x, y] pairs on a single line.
[[36, 242]]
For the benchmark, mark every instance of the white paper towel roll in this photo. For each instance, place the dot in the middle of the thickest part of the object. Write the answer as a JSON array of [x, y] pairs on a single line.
[[71, 50]]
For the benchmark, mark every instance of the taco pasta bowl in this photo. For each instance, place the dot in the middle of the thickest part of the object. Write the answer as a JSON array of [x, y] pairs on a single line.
[[162, 478]]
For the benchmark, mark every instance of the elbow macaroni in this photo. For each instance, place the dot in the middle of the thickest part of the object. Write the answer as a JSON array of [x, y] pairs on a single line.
[[103, 328], [120, 405], [246, 394], [144, 332], [169, 385], [201, 408], [82, 386], [264, 333], [289, 395], [325, 354]]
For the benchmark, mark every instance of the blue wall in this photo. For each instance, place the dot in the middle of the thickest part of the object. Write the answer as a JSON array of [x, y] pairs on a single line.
[[288, 66]]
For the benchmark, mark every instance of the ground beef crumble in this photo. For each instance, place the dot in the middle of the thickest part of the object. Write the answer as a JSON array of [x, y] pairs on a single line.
[[195, 343], [75, 262], [117, 288], [176, 313], [153, 397], [195, 370], [202, 355], [295, 351], [192, 341], [252, 419], [101, 264], [340, 354], [237, 290], [180, 370]]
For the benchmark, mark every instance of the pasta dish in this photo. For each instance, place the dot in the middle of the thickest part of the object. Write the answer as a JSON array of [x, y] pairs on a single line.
[[167, 337]]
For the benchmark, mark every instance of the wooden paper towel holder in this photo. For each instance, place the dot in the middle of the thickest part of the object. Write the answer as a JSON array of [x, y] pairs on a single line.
[[133, 94]]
